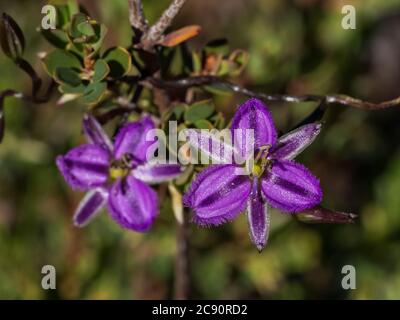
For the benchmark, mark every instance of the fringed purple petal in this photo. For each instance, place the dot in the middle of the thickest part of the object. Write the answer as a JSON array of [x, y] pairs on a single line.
[[257, 217], [133, 204], [131, 139], [218, 194], [89, 206], [211, 146], [95, 134], [85, 167], [153, 173], [293, 143], [253, 114], [291, 187]]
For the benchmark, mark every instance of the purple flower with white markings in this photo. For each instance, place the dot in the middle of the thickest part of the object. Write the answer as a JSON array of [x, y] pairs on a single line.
[[116, 175], [221, 192]]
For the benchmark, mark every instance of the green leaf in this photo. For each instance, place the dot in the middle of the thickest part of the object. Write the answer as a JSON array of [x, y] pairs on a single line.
[[60, 59], [203, 124], [66, 89], [68, 76], [218, 89], [101, 70], [179, 110], [100, 32], [86, 29], [77, 19], [12, 39], [65, 10], [239, 60], [57, 38], [2, 120], [94, 93], [197, 64], [218, 46], [119, 61], [199, 110]]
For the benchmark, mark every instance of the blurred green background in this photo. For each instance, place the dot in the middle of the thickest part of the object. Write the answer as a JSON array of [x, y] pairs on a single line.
[[295, 46]]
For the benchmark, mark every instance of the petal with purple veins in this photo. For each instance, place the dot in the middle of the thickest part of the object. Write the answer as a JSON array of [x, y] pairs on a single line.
[[95, 134], [85, 167], [133, 204], [291, 187], [218, 194], [253, 115], [153, 173], [257, 217], [131, 139], [89, 206], [294, 142], [215, 146]]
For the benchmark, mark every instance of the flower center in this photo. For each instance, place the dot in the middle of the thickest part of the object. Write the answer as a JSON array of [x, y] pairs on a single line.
[[120, 168], [261, 161]]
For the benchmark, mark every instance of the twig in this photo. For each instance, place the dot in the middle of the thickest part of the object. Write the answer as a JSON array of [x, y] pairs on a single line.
[[328, 99], [155, 33], [182, 267], [136, 15]]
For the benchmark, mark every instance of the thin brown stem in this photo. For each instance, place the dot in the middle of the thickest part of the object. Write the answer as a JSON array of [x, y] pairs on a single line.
[[327, 99], [182, 266], [137, 18], [155, 34]]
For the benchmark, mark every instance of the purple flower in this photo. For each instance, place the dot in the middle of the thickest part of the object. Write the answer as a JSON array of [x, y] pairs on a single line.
[[116, 175], [221, 192]]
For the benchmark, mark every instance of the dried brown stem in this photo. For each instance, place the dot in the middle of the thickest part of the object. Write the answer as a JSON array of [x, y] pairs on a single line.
[[328, 99], [136, 15], [155, 34], [182, 272]]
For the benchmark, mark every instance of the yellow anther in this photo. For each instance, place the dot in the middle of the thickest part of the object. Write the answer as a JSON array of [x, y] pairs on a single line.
[[257, 170], [116, 172]]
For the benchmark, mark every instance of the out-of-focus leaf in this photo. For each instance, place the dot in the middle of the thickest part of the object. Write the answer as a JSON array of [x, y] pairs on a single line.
[[2, 121], [65, 10], [196, 62], [174, 38], [101, 70], [323, 215], [119, 60], [239, 60], [185, 176], [60, 59], [57, 38], [198, 111], [94, 92], [12, 39], [80, 89], [218, 46], [177, 206], [100, 32], [68, 76], [218, 89], [77, 20], [86, 28], [179, 110], [203, 124]]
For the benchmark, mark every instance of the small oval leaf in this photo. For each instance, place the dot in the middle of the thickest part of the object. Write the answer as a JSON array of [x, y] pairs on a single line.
[[198, 111], [68, 76], [94, 93], [119, 60], [101, 70], [12, 39], [60, 59]]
